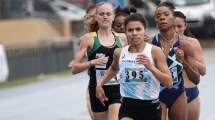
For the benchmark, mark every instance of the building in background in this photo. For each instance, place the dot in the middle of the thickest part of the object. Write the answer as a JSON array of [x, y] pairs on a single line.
[[36, 20], [37, 38]]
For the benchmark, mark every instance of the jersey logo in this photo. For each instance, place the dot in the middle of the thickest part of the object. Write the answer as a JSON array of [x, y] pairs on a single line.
[[99, 55], [123, 56], [158, 107]]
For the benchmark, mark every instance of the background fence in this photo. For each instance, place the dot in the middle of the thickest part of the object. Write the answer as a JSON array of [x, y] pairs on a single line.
[[33, 59]]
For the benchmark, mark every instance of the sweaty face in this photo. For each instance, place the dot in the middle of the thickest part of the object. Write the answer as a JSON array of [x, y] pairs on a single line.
[[164, 18], [119, 24], [135, 32], [180, 25], [104, 15]]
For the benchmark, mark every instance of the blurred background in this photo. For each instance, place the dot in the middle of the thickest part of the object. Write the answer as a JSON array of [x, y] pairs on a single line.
[[40, 37]]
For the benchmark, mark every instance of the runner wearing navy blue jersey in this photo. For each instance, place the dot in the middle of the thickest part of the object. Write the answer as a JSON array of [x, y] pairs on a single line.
[[180, 56]]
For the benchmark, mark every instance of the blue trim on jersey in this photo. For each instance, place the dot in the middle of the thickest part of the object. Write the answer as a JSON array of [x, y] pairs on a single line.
[[168, 96], [172, 62]]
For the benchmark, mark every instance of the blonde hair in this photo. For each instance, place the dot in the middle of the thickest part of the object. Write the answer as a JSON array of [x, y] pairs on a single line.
[[90, 24]]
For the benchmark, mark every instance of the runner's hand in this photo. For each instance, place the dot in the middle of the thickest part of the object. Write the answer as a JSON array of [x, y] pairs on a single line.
[[179, 55], [70, 64], [101, 95], [143, 59], [99, 61]]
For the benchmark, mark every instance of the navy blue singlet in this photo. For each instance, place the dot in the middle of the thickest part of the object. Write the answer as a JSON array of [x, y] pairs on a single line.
[[169, 96]]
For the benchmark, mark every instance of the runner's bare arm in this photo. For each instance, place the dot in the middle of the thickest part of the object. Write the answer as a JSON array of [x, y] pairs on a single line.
[[199, 56], [189, 63], [79, 66], [161, 72]]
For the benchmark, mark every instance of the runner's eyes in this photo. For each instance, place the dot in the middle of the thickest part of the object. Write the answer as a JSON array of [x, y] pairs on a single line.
[[107, 14]]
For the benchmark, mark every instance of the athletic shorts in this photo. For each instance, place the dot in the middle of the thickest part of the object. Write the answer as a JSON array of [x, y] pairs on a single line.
[[192, 93], [112, 92], [140, 109], [169, 96]]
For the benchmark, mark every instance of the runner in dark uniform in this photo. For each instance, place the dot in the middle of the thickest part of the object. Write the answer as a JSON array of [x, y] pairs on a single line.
[[180, 56]]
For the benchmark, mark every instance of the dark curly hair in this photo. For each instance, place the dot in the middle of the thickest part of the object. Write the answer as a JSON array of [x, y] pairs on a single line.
[[169, 5], [126, 11], [136, 17]]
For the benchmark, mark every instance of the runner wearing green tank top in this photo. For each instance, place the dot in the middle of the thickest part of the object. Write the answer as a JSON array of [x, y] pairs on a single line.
[[99, 46]]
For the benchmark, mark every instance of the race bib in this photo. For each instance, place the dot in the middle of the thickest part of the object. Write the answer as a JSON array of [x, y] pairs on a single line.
[[100, 66], [174, 74], [101, 73], [135, 75]]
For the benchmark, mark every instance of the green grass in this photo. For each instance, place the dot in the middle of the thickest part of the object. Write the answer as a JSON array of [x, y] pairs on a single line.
[[30, 80]]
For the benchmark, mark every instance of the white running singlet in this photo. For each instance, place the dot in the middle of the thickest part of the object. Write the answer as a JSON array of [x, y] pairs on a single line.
[[136, 81]]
